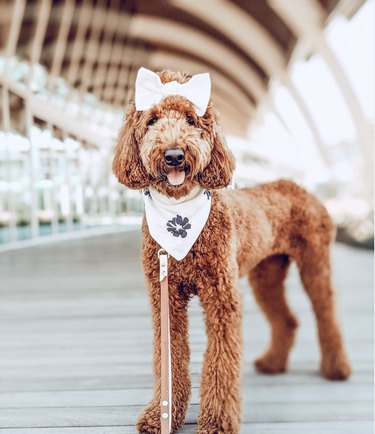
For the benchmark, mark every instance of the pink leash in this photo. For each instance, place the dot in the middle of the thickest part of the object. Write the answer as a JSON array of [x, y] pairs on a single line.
[[165, 347]]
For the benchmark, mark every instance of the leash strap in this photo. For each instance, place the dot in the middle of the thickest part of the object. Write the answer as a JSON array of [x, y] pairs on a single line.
[[165, 344]]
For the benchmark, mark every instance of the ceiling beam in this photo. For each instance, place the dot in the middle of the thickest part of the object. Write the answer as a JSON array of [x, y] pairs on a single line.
[[160, 59], [184, 38], [241, 28]]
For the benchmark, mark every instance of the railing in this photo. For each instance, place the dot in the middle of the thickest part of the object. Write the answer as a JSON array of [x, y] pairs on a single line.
[[65, 69]]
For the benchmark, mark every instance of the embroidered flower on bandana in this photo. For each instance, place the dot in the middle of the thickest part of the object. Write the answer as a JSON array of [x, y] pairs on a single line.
[[178, 226]]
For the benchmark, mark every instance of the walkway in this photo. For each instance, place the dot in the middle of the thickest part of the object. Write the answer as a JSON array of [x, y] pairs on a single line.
[[75, 345]]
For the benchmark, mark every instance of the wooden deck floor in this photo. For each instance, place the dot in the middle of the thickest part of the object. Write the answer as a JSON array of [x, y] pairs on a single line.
[[75, 345]]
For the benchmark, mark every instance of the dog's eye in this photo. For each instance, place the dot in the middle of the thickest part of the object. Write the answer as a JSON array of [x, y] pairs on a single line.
[[190, 120], [152, 120]]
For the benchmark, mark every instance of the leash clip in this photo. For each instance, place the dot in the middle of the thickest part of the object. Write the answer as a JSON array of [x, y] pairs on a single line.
[[163, 262]]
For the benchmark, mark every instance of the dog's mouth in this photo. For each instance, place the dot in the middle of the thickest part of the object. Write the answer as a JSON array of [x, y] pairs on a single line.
[[177, 176]]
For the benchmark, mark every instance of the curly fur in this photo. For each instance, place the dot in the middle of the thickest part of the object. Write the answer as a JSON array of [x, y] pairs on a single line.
[[254, 232]]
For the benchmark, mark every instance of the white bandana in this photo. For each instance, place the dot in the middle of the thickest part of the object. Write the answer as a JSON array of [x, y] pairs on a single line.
[[150, 90], [175, 224]]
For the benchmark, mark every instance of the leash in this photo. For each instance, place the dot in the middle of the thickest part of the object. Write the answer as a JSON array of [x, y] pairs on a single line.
[[165, 347]]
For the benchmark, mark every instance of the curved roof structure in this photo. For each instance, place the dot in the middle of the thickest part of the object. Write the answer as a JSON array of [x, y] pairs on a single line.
[[243, 44]]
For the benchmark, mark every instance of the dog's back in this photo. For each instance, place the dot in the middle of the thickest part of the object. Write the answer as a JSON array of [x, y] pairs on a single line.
[[279, 217]]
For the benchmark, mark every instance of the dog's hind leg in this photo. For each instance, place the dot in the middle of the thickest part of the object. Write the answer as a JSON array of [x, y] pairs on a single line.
[[267, 281], [315, 270]]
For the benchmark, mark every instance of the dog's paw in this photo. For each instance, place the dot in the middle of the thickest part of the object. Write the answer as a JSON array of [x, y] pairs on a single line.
[[222, 425], [270, 364], [149, 421], [336, 367], [211, 428]]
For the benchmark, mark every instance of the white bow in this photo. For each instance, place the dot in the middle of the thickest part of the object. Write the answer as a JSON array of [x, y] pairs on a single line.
[[149, 90]]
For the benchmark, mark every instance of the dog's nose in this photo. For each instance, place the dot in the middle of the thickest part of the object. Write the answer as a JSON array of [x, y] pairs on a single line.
[[174, 156]]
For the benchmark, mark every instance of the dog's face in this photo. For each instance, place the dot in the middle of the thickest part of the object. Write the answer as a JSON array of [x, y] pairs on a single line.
[[172, 149]]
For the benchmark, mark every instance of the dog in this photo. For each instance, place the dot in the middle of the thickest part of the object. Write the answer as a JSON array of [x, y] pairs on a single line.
[[254, 232]]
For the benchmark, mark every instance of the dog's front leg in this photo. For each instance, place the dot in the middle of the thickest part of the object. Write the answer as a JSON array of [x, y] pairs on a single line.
[[149, 421], [220, 407]]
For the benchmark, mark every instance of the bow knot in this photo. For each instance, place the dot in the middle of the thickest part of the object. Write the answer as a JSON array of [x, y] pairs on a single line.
[[149, 90]]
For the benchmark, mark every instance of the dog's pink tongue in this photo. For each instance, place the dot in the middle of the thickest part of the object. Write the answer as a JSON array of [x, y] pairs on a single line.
[[176, 178]]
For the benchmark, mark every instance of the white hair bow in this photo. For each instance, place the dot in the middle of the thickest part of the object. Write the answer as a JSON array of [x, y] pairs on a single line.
[[149, 90]]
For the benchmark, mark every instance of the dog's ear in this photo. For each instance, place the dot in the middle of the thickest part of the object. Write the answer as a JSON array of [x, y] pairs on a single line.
[[127, 164], [218, 173]]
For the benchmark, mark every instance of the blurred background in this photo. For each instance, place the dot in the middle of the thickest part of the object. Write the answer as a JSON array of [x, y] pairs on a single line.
[[292, 79]]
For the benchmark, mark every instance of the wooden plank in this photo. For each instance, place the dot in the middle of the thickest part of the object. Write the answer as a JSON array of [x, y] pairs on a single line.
[[347, 427], [145, 380], [255, 334], [122, 323], [126, 415], [358, 351], [253, 394], [62, 368]]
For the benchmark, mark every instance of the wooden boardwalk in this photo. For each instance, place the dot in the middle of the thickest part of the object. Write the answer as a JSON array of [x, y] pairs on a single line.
[[75, 346]]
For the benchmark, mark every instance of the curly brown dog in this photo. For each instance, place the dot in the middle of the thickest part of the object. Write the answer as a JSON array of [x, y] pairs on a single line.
[[254, 232]]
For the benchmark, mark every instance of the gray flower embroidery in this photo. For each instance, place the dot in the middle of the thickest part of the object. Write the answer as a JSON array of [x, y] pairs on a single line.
[[178, 226]]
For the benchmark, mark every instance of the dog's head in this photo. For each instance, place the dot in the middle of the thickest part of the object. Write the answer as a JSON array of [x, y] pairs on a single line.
[[171, 148]]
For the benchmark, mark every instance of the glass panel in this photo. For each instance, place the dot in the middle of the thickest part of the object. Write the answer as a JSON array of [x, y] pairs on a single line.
[[322, 96], [353, 42]]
